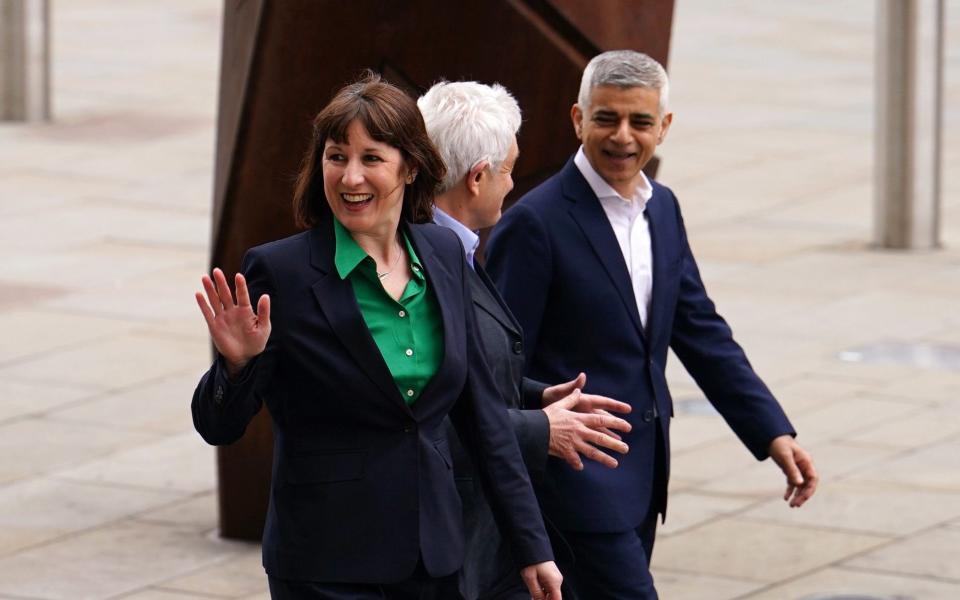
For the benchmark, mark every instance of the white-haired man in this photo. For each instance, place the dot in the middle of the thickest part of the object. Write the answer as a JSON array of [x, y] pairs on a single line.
[[595, 264], [474, 127]]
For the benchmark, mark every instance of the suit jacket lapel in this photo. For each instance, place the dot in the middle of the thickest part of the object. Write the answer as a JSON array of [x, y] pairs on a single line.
[[486, 297], [446, 287], [339, 304], [658, 244], [588, 213]]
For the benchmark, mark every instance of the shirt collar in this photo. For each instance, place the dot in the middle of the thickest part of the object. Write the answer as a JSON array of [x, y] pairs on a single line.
[[642, 193], [470, 240], [348, 254]]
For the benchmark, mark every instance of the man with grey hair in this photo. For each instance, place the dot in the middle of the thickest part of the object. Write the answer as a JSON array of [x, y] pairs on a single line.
[[474, 126], [596, 266]]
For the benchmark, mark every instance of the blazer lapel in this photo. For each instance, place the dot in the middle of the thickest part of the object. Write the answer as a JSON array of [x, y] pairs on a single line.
[[658, 246], [338, 302], [446, 287], [589, 216], [485, 296]]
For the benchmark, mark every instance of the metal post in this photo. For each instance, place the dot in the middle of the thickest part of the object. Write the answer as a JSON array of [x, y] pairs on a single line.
[[908, 122], [24, 60]]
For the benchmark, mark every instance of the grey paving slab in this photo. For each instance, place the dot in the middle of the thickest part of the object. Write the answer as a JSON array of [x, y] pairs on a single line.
[[833, 460], [160, 594], [926, 425], [118, 362], [810, 391], [32, 399], [199, 511], [936, 467], [840, 582], [34, 446], [884, 510], [691, 508], [181, 463], [680, 585], [161, 297], [160, 406], [840, 420], [711, 461], [110, 561], [241, 576], [89, 220], [38, 510], [931, 554], [37, 332], [761, 552]]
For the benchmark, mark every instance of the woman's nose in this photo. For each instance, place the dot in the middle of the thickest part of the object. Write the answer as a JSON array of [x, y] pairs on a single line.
[[353, 173]]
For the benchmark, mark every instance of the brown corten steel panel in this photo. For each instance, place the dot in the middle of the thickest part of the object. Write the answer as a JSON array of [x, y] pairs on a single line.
[[281, 63]]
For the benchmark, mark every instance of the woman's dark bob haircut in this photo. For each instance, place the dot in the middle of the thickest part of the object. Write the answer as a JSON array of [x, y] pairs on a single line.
[[390, 116]]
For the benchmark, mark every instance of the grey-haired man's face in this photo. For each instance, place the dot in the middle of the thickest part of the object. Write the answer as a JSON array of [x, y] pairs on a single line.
[[620, 130]]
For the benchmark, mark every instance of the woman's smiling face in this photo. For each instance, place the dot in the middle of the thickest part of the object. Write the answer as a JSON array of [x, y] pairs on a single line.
[[363, 180]]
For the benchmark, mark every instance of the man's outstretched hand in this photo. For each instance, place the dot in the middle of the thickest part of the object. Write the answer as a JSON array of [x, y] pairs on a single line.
[[580, 424]]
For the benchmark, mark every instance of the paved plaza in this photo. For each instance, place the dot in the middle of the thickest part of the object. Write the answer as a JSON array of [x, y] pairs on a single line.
[[106, 491]]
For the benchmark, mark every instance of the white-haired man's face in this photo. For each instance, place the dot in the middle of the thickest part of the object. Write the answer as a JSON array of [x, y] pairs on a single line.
[[491, 186], [620, 131]]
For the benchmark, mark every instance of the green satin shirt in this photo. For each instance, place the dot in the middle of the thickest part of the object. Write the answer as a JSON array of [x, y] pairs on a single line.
[[409, 331]]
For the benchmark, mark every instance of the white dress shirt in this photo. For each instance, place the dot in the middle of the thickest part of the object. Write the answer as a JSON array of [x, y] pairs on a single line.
[[630, 225], [470, 239]]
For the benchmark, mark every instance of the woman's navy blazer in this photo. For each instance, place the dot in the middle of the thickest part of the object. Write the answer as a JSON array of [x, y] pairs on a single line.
[[362, 483]]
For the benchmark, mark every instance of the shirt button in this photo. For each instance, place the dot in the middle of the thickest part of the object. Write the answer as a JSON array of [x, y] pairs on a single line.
[[402, 314], [410, 393], [409, 352], [415, 268]]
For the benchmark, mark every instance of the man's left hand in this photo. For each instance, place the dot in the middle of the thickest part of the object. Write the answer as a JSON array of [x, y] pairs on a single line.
[[798, 467]]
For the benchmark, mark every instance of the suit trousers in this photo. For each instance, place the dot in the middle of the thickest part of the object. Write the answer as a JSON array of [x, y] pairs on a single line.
[[419, 586], [612, 565]]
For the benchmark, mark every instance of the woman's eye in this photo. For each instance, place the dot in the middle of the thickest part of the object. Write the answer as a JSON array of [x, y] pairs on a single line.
[[372, 158], [335, 157]]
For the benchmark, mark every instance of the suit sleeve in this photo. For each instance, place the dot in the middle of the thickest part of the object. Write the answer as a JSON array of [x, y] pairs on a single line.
[[482, 422], [532, 430], [520, 263], [223, 406], [704, 343], [531, 392]]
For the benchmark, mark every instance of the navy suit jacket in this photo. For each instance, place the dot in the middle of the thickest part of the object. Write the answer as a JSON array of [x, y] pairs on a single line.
[[363, 483], [557, 263]]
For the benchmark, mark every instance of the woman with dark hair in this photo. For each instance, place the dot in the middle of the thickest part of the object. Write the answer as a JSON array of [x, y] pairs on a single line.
[[362, 341]]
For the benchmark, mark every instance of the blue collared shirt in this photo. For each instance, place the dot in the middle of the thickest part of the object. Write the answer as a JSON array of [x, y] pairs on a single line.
[[470, 239]]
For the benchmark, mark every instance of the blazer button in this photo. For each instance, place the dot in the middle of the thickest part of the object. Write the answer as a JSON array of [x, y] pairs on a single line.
[[518, 347], [648, 416], [409, 428]]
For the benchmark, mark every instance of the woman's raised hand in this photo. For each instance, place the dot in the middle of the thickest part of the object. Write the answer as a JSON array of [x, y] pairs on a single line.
[[238, 332]]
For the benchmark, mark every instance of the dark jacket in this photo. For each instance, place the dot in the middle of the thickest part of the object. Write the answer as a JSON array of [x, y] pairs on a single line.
[[489, 566], [362, 483], [557, 263]]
